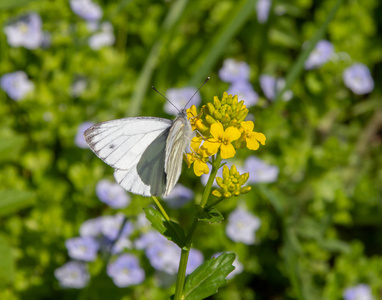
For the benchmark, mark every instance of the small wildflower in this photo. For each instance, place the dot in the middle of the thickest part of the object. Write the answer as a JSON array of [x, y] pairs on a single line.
[[242, 226], [251, 138], [358, 78], [198, 156], [82, 248], [196, 121], [244, 90], [103, 38], [260, 171], [195, 259], [179, 97], [79, 139], [262, 10], [321, 54], [16, 85], [73, 274], [359, 292], [78, 86], [231, 183], [112, 194], [148, 240], [86, 9], [233, 71], [91, 228], [222, 139], [111, 226], [271, 86], [125, 271], [179, 196]]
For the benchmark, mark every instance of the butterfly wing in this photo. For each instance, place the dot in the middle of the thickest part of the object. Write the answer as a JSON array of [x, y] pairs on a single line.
[[178, 140], [136, 148]]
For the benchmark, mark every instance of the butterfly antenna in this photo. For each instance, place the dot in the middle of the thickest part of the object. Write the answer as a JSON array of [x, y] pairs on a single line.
[[153, 87], [208, 78]]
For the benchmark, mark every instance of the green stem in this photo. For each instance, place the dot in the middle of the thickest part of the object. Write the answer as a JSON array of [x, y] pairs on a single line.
[[214, 203], [163, 212], [186, 249]]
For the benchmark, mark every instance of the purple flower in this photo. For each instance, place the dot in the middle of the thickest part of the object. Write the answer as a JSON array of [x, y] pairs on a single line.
[[236, 263], [103, 38], [321, 54], [195, 259], [179, 196], [262, 10], [82, 248], [86, 9], [73, 274], [16, 85], [270, 86], [234, 71], [242, 226], [26, 32], [142, 223], [259, 171], [111, 225], [164, 256], [179, 98], [91, 227], [244, 91], [79, 139], [358, 78], [112, 194], [359, 292], [125, 271], [120, 245], [148, 239]]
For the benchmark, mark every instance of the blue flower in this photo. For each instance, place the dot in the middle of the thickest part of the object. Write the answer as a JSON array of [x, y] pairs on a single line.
[[244, 91], [79, 140], [16, 85], [179, 98], [111, 225], [125, 271], [242, 226], [72, 275], [179, 196], [262, 10], [86, 9], [148, 239], [358, 78], [82, 248], [321, 54], [195, 259], [270, 86], [359, 292], [260, 171], [91, 227], [112, 194], [26, 32], [103, 38], [78, 86], [234, 71]]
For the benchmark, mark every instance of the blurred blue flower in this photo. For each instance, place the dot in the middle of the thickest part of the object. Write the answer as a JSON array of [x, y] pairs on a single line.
[[112, 194], [195, 259], [142, 224], [91, 227], [270, 86], [111, 226], [179, 98], [242, 226], [78, 86], [121, 244], [73, 274], [236, 263], [244, 91], [321, 54], [16, 85], [103, 38], [148, 239], [234, 71], [262, 10], [79, 140], [26, 32], [82, 248], [359, 292], [86, 9], [259, 171], [179, 196], [125, 271], [358, 78]]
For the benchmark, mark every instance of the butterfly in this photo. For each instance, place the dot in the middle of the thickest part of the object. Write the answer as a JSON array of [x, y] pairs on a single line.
[[146, 152]]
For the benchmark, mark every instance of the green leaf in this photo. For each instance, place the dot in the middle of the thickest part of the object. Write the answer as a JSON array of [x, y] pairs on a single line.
[[169, 229], [208, 277], [13, 200], [211, 215], [6, 4], [10, 147], [7, 265]]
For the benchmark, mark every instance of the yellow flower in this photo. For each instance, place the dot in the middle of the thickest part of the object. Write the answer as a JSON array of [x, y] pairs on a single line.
[[221, 139], [195, 119], [251, 137], [198, 156]]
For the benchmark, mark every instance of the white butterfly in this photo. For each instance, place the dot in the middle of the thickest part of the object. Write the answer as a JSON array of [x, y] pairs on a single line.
[[146, 152]]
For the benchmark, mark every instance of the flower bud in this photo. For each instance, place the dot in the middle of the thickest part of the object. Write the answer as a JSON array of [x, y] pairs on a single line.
[[245, 189], [210, 120], [211, 108], [217, 115], [217, 193]]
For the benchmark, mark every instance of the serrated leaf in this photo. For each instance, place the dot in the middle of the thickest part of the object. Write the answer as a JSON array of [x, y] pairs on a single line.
[[13, 200], [208, 277], [169, 229], [7, 266], [210, 216]]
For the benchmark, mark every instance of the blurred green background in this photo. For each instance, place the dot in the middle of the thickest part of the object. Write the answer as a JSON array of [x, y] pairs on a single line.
[[321, 220]]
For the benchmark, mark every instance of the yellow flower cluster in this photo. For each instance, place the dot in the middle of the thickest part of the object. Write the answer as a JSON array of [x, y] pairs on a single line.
[[231, 184], [220, 126]]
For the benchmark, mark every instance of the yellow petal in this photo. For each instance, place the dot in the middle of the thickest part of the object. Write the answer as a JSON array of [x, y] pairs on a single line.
[[231, 134], [189, 158], [217, 130], [195, 142], [260, 137], [200, 168], [252, 143], [227, 151], [247, 126], [211, 146]]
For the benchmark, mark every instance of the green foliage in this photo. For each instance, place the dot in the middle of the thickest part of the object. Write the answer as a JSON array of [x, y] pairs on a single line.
[[13, 200], [211, 215], [7, 263]]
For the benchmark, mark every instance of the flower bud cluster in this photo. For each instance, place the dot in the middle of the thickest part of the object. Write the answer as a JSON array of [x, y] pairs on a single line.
[[232, 183]]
